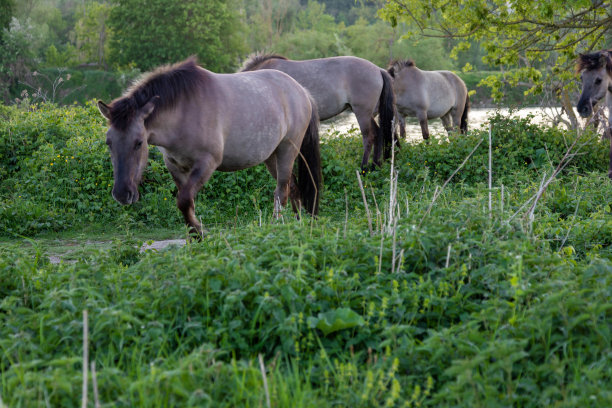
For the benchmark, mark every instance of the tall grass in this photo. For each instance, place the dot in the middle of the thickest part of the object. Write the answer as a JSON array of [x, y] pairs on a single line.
[[441, 302]]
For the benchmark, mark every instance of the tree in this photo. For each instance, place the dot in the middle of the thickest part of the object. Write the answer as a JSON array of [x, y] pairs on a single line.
[[17, 56], [538, 39], [6, 12], [149, 33], [92, 33]]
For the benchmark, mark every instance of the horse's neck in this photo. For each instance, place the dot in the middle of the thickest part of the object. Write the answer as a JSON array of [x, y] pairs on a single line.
[[163, 130]]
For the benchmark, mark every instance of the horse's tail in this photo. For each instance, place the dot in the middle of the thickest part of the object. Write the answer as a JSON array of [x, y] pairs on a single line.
[[464, 125], [309, 164], [386, 110]]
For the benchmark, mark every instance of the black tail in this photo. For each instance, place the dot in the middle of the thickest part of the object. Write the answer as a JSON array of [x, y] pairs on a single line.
[[386, 109], [464, 126], [309, 165]]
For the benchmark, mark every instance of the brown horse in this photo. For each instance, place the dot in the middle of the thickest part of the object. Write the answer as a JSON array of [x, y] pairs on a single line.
[[202, 122], [596, 74], [429, 95], [338, 83]]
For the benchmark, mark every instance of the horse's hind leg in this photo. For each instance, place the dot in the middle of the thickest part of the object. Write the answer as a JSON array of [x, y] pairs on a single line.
[[371, 138], [422, 117], [402, 126], [281, 168], [447, 122]]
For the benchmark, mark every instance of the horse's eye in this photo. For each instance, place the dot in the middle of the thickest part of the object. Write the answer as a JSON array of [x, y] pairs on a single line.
[[137, 145], [109, 143], [598, 81]]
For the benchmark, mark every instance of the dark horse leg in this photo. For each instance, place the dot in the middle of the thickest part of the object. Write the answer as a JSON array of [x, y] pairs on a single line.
[[189, 182], [280, 166], [424, 127], [371, 138], [402, 126]]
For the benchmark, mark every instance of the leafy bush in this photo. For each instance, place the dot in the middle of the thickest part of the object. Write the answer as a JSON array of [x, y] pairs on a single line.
[[451, 304], [55, 171]]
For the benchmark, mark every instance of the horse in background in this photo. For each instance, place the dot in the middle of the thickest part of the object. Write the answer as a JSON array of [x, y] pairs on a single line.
[[596, 76], [429, 95], [338, 83], [202, 122]]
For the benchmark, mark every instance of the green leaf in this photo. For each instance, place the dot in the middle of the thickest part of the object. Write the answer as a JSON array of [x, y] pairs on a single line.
[[335, 320]]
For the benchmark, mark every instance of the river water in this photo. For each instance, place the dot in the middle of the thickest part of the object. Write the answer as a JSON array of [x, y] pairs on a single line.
[[477, 117]]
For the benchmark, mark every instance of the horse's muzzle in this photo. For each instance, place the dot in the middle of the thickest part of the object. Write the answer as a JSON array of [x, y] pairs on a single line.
[[584, 108], [126, 195]]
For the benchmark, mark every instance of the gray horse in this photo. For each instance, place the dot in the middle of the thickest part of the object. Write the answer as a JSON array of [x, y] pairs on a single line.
[[202, 122], [429, 95], [338, 83], [596, 73]]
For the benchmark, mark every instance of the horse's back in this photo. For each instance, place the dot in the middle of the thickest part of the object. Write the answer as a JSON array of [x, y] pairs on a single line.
[[436, 92], [335, 82], [259, 109]]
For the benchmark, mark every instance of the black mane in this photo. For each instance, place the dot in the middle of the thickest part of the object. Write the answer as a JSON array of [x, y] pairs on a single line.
[[594, 60], [397, 65], [255, 60], [170, 83]]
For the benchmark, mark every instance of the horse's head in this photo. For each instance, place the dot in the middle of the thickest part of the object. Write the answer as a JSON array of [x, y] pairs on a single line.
[[596, 74], [127, 140]]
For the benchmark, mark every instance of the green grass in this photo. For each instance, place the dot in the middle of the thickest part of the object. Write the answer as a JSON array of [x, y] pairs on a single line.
[[452, 305]]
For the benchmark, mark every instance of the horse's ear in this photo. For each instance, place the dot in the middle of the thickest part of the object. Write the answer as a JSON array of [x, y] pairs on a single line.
[[104, 109], [149, 107], [607, 60]]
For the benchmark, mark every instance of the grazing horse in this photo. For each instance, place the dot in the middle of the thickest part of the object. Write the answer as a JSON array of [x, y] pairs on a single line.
[[338, 83], [202, 122], [429, 95], [596, 72]]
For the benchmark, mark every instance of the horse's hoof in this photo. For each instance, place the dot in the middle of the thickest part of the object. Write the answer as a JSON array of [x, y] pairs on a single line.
[[196, 235]]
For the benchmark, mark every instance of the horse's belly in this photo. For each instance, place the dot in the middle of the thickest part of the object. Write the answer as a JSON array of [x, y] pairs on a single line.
[[244, 151]]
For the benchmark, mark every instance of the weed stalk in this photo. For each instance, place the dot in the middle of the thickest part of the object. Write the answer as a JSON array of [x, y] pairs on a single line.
[[365, 203]]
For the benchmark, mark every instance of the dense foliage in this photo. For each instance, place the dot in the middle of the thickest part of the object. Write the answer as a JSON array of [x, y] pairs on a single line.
[[445, 303], [152, 33], [541, 39], [55, 172], [121, 36]]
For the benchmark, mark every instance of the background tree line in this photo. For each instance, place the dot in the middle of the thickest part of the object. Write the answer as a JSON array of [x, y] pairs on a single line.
[[45, 40], [73, 50]]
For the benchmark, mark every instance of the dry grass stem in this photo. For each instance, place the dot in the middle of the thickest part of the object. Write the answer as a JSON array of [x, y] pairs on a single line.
[[490, 173], [85, 358], [94, 380], [262, 367], [345, 211], [439, 190], [365, 203], [571, 226]]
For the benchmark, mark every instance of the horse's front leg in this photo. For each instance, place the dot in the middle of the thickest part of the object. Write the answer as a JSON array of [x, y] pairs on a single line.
[[189, 182]]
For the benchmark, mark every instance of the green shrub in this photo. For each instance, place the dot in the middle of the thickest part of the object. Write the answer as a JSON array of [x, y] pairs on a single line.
[[55, 171]]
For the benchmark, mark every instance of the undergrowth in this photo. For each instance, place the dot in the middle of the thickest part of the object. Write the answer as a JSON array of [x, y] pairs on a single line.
[[445, 302]]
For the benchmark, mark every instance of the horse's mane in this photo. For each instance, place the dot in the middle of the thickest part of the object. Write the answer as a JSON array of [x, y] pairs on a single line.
[[255, 60], [170, 83], [397, 65], [594, 60]]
